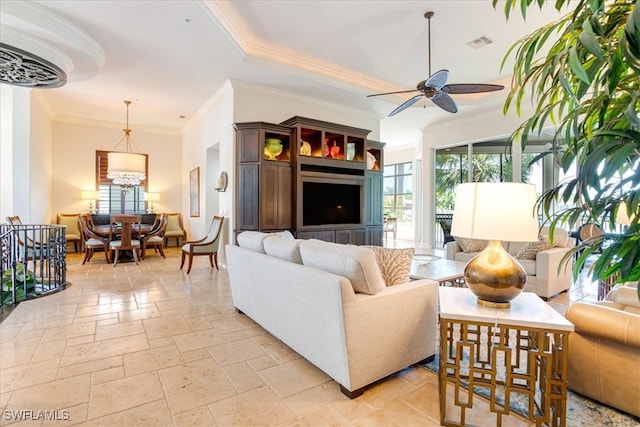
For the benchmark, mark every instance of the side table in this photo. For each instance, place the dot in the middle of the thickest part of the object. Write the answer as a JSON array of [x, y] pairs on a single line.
[[517, 353]]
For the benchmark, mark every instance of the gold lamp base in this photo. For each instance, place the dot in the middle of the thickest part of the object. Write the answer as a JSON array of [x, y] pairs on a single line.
[[495, 277]]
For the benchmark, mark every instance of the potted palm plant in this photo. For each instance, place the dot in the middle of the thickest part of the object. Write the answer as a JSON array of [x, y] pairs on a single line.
[[587, 87]]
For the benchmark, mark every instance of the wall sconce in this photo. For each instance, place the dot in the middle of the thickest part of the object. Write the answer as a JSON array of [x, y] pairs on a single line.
[[91, 196], [221, 184], [151, 198]]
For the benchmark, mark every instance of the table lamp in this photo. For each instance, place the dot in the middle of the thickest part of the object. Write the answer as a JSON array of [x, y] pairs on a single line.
[[90, 196], [495, 211], [151, 198]]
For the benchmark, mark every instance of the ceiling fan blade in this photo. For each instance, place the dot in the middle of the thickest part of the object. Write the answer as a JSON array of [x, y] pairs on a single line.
[[471, 88], [408, 103], [444, 101], [437, 79], [391, 93]]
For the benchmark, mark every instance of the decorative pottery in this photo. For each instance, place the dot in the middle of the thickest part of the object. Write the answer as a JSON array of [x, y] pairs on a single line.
[[305, 148], [371, 160], [351, 150], [272, 148], [424, 259], [335, 151]]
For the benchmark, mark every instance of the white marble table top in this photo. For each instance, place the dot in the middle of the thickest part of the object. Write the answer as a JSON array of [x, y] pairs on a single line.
[[527, 310], [439, 270]]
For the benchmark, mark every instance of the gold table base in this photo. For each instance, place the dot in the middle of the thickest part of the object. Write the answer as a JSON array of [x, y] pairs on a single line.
[[504, 360]]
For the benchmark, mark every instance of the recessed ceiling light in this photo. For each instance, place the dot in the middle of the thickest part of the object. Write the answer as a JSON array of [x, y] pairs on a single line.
[[480, 42]]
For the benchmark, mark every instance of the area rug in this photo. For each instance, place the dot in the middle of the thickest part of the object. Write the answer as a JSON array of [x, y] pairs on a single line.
[[581, 411]]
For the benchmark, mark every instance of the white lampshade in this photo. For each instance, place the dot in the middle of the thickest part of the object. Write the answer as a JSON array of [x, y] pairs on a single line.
[[152, 197], [130, 163], [622, 217], [90, 195], [495, 211]]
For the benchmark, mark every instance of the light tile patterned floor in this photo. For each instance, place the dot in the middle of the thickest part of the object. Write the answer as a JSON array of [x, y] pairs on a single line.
[[148, 345]]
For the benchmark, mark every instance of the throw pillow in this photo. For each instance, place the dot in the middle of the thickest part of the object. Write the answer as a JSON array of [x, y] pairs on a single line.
[[252, 240], [470, 245], [394, 264], [531, 249], [356, 263], [283, 248]]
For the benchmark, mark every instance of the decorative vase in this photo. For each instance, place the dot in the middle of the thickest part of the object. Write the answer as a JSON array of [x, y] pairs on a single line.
[[272, 148], [305, 148], [371, 161], [351, 150]]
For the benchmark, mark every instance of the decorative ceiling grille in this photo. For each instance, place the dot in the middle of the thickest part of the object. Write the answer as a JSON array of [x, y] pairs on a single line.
[[21, 68]]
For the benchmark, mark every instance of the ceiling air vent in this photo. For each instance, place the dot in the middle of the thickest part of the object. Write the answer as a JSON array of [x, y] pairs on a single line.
[[480, 42]]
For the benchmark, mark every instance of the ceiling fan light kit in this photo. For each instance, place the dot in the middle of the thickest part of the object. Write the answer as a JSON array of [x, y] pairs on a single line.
[[435, 87]]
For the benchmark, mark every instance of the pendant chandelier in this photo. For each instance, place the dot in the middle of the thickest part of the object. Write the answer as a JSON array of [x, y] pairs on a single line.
[[126, 169]]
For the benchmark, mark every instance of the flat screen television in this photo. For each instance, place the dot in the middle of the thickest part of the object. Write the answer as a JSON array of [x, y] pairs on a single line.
[[331, 203]]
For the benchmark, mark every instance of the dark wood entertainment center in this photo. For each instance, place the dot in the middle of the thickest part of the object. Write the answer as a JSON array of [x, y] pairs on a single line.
[[316, 179]]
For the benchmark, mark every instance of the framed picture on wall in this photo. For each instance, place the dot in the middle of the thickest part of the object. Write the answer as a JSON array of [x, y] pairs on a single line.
[[194, 191]]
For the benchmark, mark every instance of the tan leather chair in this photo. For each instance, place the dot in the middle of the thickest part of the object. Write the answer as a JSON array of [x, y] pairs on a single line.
[[174, 229], [73, 230], [604, 350]]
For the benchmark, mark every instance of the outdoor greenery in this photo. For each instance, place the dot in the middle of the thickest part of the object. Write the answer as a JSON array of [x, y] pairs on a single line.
[[451, 170], [582, 74]]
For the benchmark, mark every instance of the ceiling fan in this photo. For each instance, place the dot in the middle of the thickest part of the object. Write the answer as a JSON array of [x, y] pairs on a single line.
[[436, 88]]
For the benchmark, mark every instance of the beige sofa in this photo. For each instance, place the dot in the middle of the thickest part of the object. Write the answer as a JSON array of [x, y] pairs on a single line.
[[604, 350], [543, 277], [302, 292]]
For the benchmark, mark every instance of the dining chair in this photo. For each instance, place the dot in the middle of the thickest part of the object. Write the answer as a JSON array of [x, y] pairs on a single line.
[[124, 226], [155, 238], [72, 233], [208, 245], [391, 226], [175, 229], [91, 240]]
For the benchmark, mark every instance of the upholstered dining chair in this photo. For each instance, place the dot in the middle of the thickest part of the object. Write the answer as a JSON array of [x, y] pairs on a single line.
[[92, 241], [124, 226], [175, 229], [73, 230], [155, 238], [208, 245], [391, 226]]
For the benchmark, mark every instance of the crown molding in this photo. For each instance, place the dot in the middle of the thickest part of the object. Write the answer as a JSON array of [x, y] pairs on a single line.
[[260, 52]]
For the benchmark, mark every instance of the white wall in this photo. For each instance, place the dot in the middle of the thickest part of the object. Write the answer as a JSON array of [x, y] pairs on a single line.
[[41, 161], [210, 129], [25, 156], [74, 164]]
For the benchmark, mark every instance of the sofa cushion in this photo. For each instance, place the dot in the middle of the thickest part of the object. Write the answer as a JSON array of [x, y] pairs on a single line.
[[561, 237], [470, 245], [283, 248], [252, 240], [356, 263], [394, 263], [531, 249]]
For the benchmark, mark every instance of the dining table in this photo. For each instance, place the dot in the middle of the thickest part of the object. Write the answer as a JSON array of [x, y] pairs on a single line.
[[138, 231], [105, 230]]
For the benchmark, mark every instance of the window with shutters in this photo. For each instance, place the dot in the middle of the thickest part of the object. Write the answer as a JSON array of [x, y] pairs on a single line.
[[111, 197]]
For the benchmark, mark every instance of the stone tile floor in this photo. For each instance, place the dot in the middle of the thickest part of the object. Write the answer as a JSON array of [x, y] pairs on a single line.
[[148, 345]]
